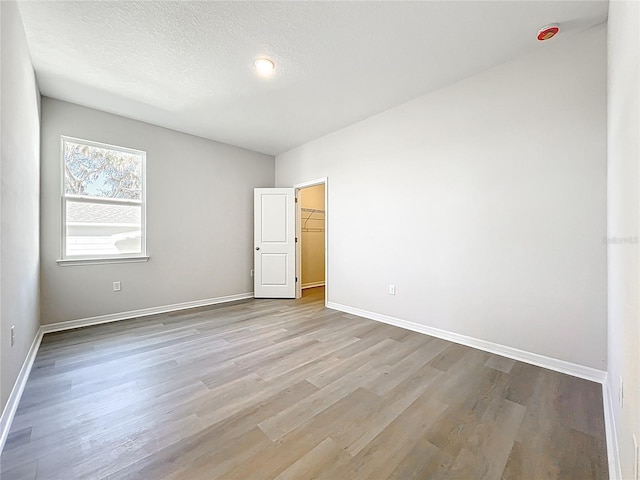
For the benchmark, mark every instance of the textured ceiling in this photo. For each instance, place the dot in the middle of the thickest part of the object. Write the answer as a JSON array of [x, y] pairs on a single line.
[[189, 65]]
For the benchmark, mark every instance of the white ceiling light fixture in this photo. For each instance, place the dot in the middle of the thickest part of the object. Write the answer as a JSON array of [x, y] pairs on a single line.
[[264, 66]]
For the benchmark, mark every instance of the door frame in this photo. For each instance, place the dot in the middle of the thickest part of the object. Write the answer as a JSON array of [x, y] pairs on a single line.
[[297, 187]]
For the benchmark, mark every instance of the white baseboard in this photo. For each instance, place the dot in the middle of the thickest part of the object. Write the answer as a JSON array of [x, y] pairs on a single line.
[[312, 285], [613, 455], [16, 393], [143, 312], [561, 366]]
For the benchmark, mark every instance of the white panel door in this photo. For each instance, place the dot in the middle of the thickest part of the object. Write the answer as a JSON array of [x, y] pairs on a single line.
[[274, 255]]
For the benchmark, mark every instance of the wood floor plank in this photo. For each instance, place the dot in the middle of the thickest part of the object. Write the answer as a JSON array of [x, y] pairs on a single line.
[[220, 447], [315, 461], [486, 452], [264, 389], [405, 394], [384, 453], [500, 363]]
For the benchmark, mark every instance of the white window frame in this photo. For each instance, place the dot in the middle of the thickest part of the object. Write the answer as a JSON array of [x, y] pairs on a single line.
[[114, 258]]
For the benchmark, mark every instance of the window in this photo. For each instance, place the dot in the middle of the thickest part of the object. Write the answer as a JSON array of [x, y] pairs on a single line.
[[103, 209]]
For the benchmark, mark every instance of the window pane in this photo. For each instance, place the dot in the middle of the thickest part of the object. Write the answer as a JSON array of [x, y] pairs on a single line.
[[98, 230], [92, 171]]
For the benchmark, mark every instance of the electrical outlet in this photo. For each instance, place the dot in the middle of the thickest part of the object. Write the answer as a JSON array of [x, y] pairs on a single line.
[[621, 392], [116, 286], [392, 289], [251, 273], [13, 335]]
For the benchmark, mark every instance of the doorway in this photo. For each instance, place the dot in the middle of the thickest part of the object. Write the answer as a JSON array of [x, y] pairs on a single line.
[[311, 233]]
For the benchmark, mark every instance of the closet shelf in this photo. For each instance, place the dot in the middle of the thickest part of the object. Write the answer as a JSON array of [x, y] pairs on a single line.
[[312, 215]]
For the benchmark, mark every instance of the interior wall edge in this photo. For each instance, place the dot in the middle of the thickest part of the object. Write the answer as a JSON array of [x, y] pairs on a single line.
[[18, 388], [19, 237], [613, 454]]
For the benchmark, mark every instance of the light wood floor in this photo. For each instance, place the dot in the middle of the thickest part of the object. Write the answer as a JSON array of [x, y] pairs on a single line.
[[264, 389]]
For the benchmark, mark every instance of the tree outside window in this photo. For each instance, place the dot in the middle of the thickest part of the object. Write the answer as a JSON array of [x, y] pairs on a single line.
[[103, 200]]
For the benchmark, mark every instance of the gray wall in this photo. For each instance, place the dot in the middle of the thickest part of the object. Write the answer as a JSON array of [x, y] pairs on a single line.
[[623, 228], [483, 202], [199, 218], [19, 202]]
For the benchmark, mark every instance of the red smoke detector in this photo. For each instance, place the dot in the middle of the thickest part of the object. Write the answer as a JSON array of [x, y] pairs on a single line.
[[548, 31]]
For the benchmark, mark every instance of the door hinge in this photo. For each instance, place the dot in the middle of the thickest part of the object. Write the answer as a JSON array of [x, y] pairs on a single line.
[[296, 239], [296, 199], [296, 279]]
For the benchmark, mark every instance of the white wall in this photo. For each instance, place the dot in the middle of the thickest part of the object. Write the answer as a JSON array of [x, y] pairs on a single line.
[[312, 239], [199, 218], [483, 202], [623, 228], [19, 204]]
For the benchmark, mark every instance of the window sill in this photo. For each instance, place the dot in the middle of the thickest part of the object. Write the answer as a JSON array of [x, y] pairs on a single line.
[[100, 261]]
